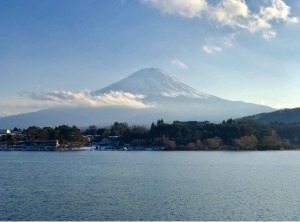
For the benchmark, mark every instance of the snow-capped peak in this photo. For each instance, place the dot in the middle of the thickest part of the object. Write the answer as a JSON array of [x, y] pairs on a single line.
[[153, 82]]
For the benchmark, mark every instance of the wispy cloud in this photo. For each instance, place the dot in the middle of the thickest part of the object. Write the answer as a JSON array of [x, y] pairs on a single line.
[[229, 40], [33, 101], [269, 34], [184, 8], [233, 13], [218, 43], [278, 10], [86, 98], [280, 105], [211, 49], [20, 105], [285, 105], [179, 64]]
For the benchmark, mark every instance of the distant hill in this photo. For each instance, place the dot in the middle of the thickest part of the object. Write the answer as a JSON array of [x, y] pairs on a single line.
[[171, 100], [280, 116]]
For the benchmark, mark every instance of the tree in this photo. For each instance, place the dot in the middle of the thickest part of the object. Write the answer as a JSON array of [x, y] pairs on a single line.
[[118, 129], [31, 132], [106, 133], [160, 122], [138, 142], [16, 129], [213, 143], [272, 142], [92, 130], [68, 134], [158, 141], [191, 146], [246, 142], [199, 145], [169, 144]]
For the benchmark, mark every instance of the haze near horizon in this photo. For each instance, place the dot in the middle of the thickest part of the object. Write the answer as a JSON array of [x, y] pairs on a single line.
[[234, 49]]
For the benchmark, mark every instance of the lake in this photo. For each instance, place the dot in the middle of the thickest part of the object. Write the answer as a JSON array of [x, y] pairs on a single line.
[[150, 185]]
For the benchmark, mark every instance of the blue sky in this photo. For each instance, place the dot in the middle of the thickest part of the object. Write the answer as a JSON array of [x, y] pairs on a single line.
[[235, 49]]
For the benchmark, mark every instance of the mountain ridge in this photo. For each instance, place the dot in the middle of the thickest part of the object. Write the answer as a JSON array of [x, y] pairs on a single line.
[[172, 99], [153, 82], [291, 115]]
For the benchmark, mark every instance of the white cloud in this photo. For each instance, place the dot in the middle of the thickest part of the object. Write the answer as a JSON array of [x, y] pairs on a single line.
[[285, 105], [219, 43], [278, 104], [269, 34], [228, 40], [230, 12], [184, 8], [233, 13], [86, 98], [179, 64], [20, 105], [211, 49], [278, 10], [31, 102], [236, 14]]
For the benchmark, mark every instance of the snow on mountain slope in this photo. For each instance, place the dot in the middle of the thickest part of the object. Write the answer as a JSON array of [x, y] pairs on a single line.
[[153, 82], [164, 97]]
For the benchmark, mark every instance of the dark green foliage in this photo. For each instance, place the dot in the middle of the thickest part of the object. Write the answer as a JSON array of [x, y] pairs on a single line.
[[290, 132], [279, 116], [192, 135], [62, 133], [118, 129], [68, 134], [229, 135]]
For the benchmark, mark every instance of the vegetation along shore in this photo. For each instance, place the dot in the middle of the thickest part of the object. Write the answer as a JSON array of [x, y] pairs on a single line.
[[191, 135]]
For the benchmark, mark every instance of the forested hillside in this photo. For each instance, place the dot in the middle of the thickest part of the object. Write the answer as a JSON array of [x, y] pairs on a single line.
[[280, 116]]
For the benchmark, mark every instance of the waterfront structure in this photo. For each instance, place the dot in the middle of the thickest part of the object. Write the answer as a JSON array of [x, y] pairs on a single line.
[[4, 132]]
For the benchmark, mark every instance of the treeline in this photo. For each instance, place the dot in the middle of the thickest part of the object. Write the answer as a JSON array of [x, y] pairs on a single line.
[[228, 135], [65, 134], [282, 115]]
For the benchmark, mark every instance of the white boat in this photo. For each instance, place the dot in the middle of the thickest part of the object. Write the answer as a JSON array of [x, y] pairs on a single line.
[[88, 148]]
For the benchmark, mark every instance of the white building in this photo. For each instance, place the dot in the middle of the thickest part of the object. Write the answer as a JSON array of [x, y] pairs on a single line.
[[4, 132]]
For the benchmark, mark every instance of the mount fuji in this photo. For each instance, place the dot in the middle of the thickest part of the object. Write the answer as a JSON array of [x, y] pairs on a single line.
[[154, 82], [163, 96]]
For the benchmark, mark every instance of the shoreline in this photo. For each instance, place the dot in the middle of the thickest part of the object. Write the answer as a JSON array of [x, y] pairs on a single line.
[[2, 149]]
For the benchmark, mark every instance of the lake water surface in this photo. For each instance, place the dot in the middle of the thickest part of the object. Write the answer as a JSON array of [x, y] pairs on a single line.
[[150, 185]]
